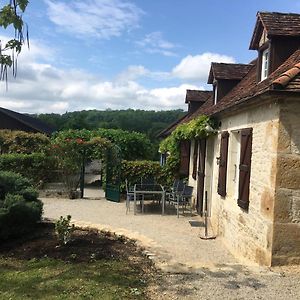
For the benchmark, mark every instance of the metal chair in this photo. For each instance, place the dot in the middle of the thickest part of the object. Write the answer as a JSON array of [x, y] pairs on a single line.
[[130, 196], [170, 193], [185, 199]]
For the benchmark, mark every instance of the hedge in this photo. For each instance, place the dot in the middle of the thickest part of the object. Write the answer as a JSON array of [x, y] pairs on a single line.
[[22, 142], [133, 171], [35, 166]]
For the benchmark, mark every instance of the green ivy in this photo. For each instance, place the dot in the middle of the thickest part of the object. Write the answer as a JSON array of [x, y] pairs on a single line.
[[198, 128]]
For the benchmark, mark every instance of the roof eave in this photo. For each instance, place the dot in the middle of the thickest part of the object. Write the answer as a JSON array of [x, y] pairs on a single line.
[[256, 100], [258, 28]]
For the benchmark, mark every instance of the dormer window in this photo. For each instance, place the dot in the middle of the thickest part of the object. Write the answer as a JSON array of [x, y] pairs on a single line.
[[264, 64], [215, 94]]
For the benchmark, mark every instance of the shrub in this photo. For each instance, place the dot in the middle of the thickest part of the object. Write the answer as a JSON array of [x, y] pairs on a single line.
[[20, 209], [36, 166], [12, 183], [133, 171], [133, 145], [22, 142], [64, 229]]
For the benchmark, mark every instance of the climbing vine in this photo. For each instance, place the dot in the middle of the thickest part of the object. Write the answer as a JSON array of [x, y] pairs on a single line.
[[201, 127]]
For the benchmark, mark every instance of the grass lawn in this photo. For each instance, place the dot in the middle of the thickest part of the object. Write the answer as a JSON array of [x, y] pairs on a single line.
[[91, 267]]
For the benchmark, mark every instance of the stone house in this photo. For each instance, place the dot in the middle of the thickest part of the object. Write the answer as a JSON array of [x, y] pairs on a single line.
[[250, 169]]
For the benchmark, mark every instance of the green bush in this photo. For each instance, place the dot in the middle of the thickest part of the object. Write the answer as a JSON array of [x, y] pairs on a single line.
[[133, 145], [12, 183], [35, 166], [133, 171], [20, 209], [63, 229], [22, 142]]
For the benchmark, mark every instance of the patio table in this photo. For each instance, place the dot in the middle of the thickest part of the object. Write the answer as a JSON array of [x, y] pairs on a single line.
[[149, 189]]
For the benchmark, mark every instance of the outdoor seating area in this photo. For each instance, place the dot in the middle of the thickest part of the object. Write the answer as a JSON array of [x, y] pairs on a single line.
[[179, 195]]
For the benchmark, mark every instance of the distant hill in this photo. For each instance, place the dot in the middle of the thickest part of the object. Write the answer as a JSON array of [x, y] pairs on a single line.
[[148, 122]]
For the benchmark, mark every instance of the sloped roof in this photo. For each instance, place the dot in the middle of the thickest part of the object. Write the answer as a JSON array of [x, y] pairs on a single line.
[[227, 71], [248, 88], [275, 24], [165, 132], [34, 123], [289, 80], [197, 96]]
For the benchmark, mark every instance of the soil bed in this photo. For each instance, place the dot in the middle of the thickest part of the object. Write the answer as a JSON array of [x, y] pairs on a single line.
[[125, 272]]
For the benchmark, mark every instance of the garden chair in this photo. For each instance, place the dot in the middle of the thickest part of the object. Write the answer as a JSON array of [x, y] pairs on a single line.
[[130, 196], [172, 197], [147, 180], [146, 183], [184, 198], [170, 193]]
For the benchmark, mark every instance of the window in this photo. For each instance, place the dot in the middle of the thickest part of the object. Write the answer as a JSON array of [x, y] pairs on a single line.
[[163, 158], [215, 94], [223, 164], [233, 163], [264, 64]]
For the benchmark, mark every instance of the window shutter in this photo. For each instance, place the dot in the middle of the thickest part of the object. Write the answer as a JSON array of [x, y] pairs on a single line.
[[223, 164], [245, 168], [184, 158], [195, 158]]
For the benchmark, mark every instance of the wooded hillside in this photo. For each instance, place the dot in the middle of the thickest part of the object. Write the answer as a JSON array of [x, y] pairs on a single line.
[[147, 122]]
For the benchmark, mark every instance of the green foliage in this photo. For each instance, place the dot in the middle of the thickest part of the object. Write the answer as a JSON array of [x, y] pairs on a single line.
[[20, 209], [201, 127], [71, 148], [133, 145], [11, 15], [64, 230], [36, 166], [22, 142], [133, 171], [147, 122], [12, 183]]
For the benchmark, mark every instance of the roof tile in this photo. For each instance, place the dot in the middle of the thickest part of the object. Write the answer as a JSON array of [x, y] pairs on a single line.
[[228, 71], [197, 96]]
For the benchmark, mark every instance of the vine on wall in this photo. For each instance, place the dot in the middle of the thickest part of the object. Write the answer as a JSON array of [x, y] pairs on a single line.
[[201, 127]]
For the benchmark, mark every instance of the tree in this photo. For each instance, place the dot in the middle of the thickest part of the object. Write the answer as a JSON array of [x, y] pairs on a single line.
[[11, 15]]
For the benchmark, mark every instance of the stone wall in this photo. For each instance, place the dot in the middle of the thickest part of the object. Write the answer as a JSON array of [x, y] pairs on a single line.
[[286, 240], [248, 234]]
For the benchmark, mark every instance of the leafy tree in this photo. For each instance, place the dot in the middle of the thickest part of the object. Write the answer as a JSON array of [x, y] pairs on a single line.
[[11, 15], [147, 122]]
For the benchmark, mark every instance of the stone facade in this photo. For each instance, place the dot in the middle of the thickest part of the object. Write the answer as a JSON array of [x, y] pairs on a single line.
[[286, 237], [269, 232]]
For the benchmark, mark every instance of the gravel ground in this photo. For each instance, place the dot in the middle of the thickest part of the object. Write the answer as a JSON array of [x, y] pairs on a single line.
[[191, 268]]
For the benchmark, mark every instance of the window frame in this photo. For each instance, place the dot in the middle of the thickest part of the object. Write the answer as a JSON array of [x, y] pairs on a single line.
[[265, 63]]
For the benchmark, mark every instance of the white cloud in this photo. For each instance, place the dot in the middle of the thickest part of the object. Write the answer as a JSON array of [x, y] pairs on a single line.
[[197, 67], [97, 18], [133, 72], [69, 92], [41, 87], [154, 43]]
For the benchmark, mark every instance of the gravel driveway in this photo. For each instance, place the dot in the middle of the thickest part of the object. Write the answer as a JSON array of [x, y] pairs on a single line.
[[192, 268]]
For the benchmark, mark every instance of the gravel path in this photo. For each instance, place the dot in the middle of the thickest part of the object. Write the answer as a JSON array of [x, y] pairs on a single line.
[[192, 268]]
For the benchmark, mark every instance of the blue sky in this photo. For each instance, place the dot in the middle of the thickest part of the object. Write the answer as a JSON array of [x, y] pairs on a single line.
[[118, 54]]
